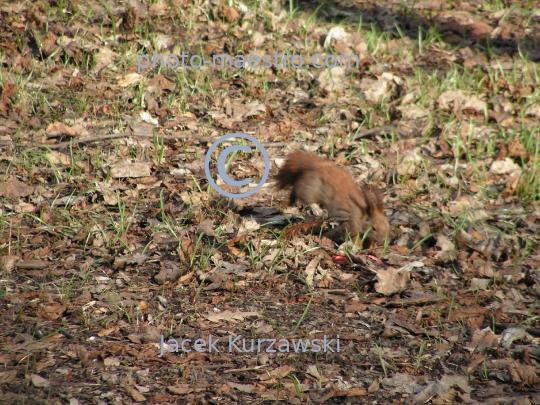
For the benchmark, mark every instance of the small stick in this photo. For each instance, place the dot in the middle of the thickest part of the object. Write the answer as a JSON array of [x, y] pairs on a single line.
[[238, 370], [97, 138], [384, 128]]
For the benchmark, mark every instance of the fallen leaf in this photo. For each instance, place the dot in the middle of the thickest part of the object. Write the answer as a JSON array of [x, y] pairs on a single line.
[[461, 100], [146, 117], [129, 169], [248, 388], [108, 195], [338, 33], [7, 263], [481, 340], [230, 316], [277, 373], [59, 128], [129, 79], [39, 382], [58, 159], [15, 189], [505, 166], [229, 13], [510, 335], [523, 373], [134, 394], [392, 281], [332, 80]]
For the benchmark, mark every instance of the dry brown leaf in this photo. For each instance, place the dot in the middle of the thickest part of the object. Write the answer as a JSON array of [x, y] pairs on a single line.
[[107, 332], [129, 79], [159, 83], [337, 33], [392, 281], [134, 394], [183, 389], [461, 100], [32, 264], [59, 128], [310, 270], [146, 117], [231, 14], [481, 340], [248, 388], [103, 59], [505, 166], [127, 169], [15, 189], [7, 263], [333, 80], [478, 30], [278, 373], [39, 382], [374, 387], [186, 248], [7, 377], [52, 312], [172, 271], [523, 373], [8, 92], [463, 314], [383, 89], [355, 307], [58, 159], [108, 195], [232, 316]]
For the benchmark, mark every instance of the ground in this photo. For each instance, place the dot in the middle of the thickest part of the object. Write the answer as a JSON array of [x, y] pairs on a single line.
[[115, 249]]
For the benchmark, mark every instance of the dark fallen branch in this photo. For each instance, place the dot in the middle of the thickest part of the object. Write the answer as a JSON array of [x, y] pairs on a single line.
[[98, 138]]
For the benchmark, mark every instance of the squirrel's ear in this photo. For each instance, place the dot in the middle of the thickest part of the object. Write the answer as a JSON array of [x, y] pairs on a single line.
[[374, 197]]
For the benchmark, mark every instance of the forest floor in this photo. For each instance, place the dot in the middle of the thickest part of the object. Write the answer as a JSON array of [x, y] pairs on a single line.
[[115, 249]]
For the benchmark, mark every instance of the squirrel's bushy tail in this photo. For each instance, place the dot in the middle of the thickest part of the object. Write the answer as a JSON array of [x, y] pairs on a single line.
[[297, 163]]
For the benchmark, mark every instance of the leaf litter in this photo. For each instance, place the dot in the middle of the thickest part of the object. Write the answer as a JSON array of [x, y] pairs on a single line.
[[112, 240]]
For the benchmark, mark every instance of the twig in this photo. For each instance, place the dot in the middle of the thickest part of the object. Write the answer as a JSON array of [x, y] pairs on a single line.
[[384, 128], [237, 370], [97, 138]]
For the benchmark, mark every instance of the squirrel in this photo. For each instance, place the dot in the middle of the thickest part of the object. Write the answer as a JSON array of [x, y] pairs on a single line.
[[317, 180]]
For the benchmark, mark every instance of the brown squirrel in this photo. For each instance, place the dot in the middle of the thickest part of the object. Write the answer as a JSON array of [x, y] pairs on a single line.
[[316, 180]]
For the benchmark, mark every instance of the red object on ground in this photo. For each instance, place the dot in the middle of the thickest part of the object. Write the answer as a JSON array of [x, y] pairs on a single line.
[[373, 258], [342, 258]]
